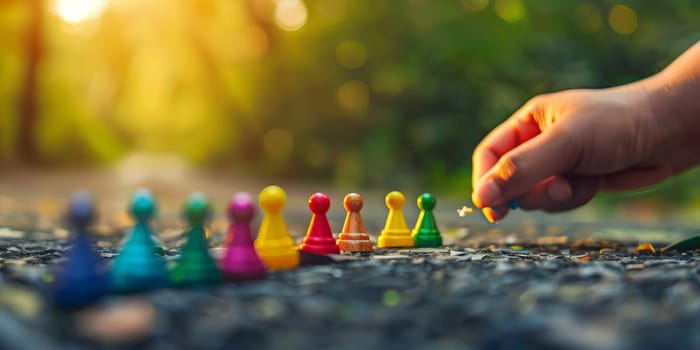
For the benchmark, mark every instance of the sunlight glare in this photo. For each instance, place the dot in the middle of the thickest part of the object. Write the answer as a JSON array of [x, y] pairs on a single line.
[[76, 11], [291, 15]]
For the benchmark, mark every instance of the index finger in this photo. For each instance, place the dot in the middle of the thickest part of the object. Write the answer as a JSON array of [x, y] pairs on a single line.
[[517, 129]]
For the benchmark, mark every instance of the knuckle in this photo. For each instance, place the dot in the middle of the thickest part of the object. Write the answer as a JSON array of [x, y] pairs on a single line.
[[511, 167], [537, 101]]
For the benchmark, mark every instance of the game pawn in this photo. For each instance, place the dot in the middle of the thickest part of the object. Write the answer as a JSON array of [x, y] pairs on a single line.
[[319, 237], [395, 232], [426, 233], [241, 262], [274, 244], [143, 195], [354, 237], [138, 267], [83, 278], [195, 267]]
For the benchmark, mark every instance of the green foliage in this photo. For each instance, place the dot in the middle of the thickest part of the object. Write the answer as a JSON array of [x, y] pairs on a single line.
[[371, 93]]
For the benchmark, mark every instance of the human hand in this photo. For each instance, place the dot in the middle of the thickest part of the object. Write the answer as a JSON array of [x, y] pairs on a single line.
[[558, 150]]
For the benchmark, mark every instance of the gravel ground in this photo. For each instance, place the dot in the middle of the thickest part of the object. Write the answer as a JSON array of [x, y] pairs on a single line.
[[533, 282], [486, 290]]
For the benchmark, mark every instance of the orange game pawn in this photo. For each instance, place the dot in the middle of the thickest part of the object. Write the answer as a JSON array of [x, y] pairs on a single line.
[[354, 237]]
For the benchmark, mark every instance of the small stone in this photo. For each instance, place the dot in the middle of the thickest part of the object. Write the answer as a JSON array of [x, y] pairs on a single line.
[[391, 257], [635, 267]]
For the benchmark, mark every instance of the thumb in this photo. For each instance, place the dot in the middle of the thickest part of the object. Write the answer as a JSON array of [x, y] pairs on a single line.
[[551, 153]]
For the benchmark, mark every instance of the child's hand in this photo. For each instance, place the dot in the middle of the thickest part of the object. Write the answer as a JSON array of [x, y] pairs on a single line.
[[560, 149]]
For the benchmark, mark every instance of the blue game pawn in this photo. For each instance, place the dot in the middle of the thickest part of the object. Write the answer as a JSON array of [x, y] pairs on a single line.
[[138, 267], [83, 278]]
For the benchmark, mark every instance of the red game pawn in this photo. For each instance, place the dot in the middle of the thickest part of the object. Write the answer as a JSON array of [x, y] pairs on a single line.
[[241, 262], [319, 237]]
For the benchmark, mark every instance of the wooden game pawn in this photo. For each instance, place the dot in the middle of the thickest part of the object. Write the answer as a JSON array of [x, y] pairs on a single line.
[[354, 237]]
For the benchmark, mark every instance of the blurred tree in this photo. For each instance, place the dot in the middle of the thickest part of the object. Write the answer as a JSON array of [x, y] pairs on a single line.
[[28, 108], [361, 93]]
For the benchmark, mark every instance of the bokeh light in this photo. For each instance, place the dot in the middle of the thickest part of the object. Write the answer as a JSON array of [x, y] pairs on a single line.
[[509, 10], [76, 11], [291, 15], [353, 95], [351, 54], [623, 20]]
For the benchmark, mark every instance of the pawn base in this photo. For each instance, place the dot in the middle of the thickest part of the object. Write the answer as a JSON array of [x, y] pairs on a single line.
[[394, 240], [428, 241], [275, 259], [355, 246], [320, 249]]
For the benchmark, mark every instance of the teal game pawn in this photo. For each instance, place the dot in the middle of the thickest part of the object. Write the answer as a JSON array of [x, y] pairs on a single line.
[[83, 278], [196, 268], [143, 200], [138, 267], [426, 233]]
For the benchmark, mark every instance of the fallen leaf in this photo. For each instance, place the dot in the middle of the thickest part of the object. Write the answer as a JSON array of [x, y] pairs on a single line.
[[606, 251], [645, 247], [684, 245]]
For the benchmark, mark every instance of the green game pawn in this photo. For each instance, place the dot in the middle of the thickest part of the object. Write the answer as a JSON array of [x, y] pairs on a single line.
[[196, 268], [138, 267], [426, 233]]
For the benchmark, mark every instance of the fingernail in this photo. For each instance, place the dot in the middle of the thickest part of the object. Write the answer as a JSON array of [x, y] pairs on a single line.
[[486, 194], [559, 191], [492, 215]]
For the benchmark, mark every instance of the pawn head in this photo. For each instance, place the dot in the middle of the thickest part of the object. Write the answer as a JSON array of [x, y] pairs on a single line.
[[394, 200], [143, 205], [197, 208], [272, 199], [353, 202], [81, 209], [241, 207], [426, 201], [319, 203]]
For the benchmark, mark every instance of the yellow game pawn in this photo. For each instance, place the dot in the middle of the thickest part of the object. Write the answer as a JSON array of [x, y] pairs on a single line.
[[395, 233], [274, 245]]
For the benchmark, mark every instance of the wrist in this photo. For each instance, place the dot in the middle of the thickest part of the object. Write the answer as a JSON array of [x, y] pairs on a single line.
[[674, 108]]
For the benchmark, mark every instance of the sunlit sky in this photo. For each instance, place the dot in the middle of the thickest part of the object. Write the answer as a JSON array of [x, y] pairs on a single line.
[[290, 15], [76, 11]]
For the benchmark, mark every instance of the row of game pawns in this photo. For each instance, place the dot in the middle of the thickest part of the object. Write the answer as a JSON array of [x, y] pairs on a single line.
[[83, 279]]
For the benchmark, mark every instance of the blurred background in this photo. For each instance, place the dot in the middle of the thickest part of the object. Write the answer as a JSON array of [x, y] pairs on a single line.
[[363, 95]]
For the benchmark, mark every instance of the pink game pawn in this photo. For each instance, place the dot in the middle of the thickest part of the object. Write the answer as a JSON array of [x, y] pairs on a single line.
[[319, 237], [241, 262]]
